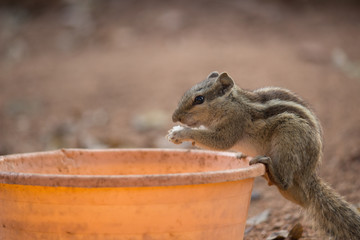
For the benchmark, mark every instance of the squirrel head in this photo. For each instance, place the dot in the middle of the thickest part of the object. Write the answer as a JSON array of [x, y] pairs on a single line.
[[203, 104]]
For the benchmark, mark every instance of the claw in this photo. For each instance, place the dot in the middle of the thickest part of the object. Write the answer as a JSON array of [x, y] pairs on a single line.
[[173, 134], [266, 161], [260, 159]]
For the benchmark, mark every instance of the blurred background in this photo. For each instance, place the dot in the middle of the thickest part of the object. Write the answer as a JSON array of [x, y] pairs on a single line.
[[108, 74]]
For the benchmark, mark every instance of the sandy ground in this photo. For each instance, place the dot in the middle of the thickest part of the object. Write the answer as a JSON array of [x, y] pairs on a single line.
[[109, 74]]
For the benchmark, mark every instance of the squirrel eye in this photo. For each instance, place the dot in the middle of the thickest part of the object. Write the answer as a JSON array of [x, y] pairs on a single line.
[[199, 99]]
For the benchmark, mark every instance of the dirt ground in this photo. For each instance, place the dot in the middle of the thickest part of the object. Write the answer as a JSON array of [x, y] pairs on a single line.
[[98, 74]]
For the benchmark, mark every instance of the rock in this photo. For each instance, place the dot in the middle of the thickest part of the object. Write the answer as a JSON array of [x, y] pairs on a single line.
[[262, 217], [255, 195], [296, 232], [278, 235]]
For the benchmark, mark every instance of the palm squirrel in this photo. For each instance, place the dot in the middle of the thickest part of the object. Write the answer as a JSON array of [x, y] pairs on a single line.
[[280, 130]]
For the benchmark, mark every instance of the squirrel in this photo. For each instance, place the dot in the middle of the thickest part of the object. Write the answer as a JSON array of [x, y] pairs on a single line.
[[280, 130]]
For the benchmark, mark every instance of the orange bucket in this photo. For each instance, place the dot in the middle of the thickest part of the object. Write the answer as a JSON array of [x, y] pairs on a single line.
[[130, 194]]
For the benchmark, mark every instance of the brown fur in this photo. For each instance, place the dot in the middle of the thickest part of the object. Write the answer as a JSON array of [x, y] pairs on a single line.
[[271, 122]]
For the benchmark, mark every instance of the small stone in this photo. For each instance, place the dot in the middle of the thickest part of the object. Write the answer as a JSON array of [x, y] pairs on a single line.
[[255, 195], [296, 232], [262, 217], [278, 235]]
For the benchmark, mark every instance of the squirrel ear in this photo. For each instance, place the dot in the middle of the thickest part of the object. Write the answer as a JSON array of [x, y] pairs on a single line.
[[214, 74], [225, 81]]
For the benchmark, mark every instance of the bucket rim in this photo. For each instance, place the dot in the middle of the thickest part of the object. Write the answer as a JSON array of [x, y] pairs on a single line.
[[143, 180]]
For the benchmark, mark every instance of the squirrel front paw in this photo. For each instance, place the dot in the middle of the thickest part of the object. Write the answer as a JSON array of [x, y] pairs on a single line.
[[177, 134]]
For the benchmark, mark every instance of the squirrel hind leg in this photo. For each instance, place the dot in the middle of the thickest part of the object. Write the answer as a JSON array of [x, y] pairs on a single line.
[[273, 175], [263, 160]]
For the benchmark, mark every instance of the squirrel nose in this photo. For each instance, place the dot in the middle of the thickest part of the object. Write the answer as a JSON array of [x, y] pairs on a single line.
[[176, 117]]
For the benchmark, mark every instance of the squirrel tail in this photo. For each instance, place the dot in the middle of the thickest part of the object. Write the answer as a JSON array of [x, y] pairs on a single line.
[[332, 213]]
